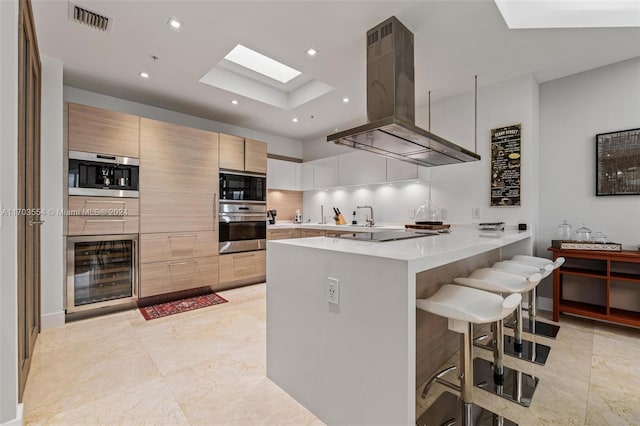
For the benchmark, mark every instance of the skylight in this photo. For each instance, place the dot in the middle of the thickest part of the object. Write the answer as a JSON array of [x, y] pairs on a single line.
[[262, 64], [519, 14]]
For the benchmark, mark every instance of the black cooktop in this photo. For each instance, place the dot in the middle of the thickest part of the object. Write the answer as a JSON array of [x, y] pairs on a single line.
[[383, 236]]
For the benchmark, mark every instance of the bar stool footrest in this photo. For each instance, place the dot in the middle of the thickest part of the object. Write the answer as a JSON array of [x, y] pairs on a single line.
[[448, 409], [518, 387], [532, 352], [538, 328]]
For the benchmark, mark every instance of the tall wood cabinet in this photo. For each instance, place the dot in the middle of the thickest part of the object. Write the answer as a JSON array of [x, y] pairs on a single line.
[[178, 208], [241, 154]]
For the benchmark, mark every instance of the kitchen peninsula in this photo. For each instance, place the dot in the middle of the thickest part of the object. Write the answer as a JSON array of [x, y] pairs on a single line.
[[358, 361]]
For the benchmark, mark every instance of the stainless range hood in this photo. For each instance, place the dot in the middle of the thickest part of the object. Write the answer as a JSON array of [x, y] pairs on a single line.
[[391, 105]]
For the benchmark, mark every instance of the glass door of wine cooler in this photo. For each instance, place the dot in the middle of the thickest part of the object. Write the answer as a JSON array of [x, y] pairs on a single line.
[[101, 271]]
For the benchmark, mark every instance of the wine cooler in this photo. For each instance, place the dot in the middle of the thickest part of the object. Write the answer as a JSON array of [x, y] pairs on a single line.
[[101, 271]]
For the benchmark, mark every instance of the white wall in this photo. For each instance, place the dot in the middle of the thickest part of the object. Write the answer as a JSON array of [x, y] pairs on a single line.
[[572, 111], [457, 188], [320, 148], [8, 198], [275, 144], [51, 244]]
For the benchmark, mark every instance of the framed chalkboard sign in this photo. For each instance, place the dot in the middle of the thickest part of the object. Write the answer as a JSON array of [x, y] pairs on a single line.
[[506, 159], [618, 163]]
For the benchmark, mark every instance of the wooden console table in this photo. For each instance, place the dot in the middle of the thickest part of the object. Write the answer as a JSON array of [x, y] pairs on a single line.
[[609, 267]]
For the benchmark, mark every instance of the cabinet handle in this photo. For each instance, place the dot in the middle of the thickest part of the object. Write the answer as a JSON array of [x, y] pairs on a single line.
[[186, 262], [104, 220], [244, 255], [36, 222], [104, 202], [183, 236]]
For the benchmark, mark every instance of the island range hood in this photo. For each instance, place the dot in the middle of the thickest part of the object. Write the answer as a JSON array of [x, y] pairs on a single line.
[[391, 105]]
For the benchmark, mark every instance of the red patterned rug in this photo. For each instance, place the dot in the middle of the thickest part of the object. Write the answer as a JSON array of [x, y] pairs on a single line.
[[183, 305]]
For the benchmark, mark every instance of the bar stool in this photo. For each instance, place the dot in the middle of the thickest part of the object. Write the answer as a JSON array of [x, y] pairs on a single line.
[[507, 383], [464, 306], [532, 325], [517, 346]]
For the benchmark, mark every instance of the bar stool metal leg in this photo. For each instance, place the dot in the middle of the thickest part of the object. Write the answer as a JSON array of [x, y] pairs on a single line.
[[532, 325]]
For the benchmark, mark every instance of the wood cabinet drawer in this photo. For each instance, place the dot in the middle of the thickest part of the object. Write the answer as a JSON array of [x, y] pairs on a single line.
[[280, 234], [311, 233], [104, 206], [102, 131], [175, 158], [167, 277], [242, 266], [101, 225], [176, 212], [176, 246]]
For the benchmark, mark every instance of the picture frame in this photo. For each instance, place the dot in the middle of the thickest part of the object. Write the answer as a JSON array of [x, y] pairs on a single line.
[[618, 163], [506, 161]]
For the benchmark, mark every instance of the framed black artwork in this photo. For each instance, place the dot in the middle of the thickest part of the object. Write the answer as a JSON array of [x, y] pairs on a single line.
[[505, 166], [618, 163]]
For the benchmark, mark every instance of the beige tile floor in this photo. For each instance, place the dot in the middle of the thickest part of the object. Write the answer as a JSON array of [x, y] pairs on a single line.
[[207, 367]]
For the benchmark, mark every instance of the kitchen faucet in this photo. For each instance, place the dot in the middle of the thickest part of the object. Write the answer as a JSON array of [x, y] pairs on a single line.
[[369, 222]]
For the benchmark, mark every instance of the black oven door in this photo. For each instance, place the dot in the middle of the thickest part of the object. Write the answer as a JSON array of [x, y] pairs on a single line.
[[240, 233], [243, 187]]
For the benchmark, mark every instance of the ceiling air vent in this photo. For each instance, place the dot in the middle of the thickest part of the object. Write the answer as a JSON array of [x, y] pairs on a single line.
[[88, 17]]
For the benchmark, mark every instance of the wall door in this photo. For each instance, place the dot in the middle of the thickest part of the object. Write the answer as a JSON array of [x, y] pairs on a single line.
[[28, 192]]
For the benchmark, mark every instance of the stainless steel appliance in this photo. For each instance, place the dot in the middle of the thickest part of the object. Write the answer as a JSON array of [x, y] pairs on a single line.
[[242, 227], [243, 187], [101, 271], [391, 105], [101, 175]]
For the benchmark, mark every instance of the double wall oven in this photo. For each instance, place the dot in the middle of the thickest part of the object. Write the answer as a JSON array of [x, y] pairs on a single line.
[[243, 212]]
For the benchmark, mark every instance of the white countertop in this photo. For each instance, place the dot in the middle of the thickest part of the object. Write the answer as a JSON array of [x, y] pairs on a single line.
[[334, 227], [423, 252]]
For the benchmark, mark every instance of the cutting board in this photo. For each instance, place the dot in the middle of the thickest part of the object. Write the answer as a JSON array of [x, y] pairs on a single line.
[[434, 227]]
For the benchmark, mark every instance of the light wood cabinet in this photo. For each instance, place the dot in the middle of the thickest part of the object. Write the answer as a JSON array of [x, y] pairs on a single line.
[[231, 152], [241, 154], [177, 158], [177, 246], [304, 233], [255, 156], [102, 225], [105, 206], [167, 277], [177, 212], [243, 267], [101, 131]]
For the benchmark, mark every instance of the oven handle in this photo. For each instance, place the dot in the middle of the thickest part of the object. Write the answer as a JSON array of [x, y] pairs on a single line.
[[104, 202]]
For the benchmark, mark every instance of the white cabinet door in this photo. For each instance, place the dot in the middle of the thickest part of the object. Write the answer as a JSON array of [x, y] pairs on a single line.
[[362, 168], [281, 174], [326, 173], [400, 170], [306, 176]]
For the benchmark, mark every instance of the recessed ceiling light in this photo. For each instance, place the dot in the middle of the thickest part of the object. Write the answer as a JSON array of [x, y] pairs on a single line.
[[174, 23], [144, 74], [261, 64], [345, 100], [235, 102], [294, 119], [311, 51]]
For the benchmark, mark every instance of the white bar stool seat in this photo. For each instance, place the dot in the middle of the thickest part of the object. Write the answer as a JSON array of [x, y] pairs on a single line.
[[546, 267], [463, 307]]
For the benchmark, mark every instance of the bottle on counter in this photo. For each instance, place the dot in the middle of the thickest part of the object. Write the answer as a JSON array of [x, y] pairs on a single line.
[[354, 221]]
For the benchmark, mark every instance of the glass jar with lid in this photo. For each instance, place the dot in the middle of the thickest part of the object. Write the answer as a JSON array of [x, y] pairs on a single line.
[[564, 231], [599, 237], [428, 214], [583, 233]]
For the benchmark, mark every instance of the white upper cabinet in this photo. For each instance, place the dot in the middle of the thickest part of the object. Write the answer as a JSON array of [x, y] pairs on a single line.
[[361, 168], [306, 176], [400, 170], [326, 172], [283, 175]]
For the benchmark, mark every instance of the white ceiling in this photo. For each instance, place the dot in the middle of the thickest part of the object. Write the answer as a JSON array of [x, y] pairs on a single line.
[[453, 41]]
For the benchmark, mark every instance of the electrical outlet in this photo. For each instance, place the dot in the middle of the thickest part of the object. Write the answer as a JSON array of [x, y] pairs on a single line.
[[475, 212], [333, 290]]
